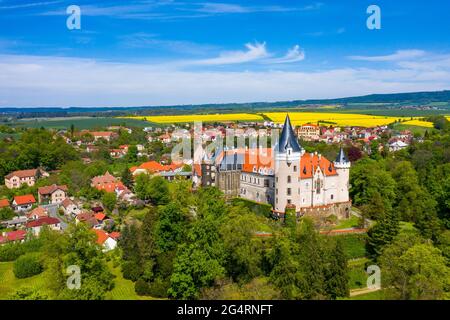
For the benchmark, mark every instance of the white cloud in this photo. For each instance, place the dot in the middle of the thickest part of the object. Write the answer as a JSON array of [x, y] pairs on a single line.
[[254, 52], [29, 5], [397, 56], [293, 55], [53, 81]]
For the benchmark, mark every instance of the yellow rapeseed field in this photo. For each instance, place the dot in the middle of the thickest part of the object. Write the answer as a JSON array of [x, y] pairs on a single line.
[[200, 117], [340, 119], [419, 123]]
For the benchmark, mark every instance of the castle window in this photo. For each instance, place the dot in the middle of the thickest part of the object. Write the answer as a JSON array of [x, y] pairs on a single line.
[[289, 201], [266, 183], [332, 196], [288, 179], [295, 168], [289, 191]]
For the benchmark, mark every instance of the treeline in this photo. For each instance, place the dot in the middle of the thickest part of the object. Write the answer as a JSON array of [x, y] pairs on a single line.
[[409, 187], [35, 148], [196, 246]]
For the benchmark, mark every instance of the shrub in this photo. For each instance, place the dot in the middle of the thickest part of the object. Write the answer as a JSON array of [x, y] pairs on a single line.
[[12, 251], [131, 270], [158, 288], [141, 287], [27, 265]]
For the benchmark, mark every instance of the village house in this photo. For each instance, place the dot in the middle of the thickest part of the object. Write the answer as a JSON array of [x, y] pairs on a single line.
[[397, 145], [53, 194], [36, 213], [107, 241], [309, 132], [23, 203], [36, 226], [155, 168], [70, 208], [106, 182], [29, 177], [13, 236], [106, 135]]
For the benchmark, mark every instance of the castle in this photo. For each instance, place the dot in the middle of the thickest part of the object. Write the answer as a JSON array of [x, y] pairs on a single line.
[[283, 176]]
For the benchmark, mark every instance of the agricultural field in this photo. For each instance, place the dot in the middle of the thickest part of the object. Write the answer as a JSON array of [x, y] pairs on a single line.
[[80, 123], [225, 117], [339, 119], [419, 123]]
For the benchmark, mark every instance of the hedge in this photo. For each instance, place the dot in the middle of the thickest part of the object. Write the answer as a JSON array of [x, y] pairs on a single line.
[[28, 265]]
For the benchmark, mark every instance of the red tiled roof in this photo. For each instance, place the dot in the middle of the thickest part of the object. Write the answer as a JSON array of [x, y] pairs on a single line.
[[309, 163], [50, 189], [39, 212], [42, 221], [153, 166], [102, 134], [26, 199], [115, 235], [67, 202], [85, 216], [106, 178], [22, 173], [4, 203], [15, 235], [102, 236], [100, 216], [259, 158]]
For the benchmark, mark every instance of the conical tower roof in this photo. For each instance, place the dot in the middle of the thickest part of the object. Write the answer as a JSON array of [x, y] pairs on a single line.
[[341, 157], [288, 139]]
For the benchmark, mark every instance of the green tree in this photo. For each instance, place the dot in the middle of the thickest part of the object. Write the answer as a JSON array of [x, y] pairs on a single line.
[[109, 200], [417, 272]]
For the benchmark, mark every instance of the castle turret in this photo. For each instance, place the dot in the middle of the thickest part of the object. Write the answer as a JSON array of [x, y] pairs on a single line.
[[342, 166], [287, 167]]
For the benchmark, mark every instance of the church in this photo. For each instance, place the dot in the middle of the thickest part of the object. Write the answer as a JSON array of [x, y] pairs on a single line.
[[284, 176]]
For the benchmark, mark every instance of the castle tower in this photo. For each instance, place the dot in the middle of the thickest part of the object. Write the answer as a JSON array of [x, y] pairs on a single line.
[[342, 166], [287, 169]]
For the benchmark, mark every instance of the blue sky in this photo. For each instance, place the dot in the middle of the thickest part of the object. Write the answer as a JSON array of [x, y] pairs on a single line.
[[162, 52]]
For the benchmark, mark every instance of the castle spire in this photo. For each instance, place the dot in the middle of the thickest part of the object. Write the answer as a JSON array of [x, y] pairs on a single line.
[[341, 157], [288, 139]]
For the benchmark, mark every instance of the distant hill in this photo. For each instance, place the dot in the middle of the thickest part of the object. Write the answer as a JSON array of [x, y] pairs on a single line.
[[378, 101]]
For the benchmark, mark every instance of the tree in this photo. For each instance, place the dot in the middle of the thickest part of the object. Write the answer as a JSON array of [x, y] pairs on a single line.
[[132, 154], [369, 177], [109, 200], [27, 265], [169, 228], [127, 178], [77, 246], [158, 190], [336, 272], [415, 271], [381, 234], [194, 269]]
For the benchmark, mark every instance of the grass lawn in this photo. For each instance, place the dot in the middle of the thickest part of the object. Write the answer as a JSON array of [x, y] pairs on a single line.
[[9, 284], [354, 245], [352, 222], [123, 289], [357, 273]]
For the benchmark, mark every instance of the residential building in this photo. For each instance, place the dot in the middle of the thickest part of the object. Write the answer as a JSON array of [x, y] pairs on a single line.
[[36, 226], [28, 177], [53, 194], [23, 203]]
